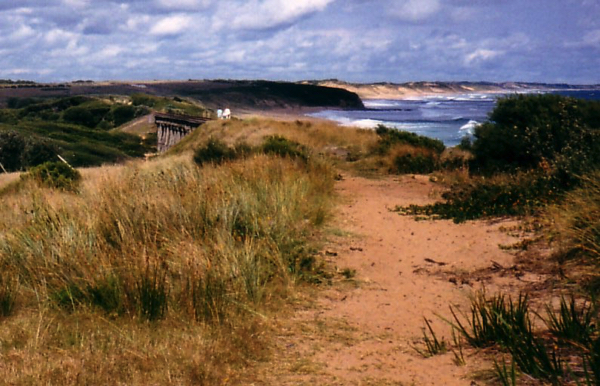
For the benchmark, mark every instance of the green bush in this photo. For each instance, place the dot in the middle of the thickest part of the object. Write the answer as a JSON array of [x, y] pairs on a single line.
[[215, 152], [525, 131], [534, 149], [37, 152], [389, 137], [55, 175], [89, 114], [283, 147], [418, 163], [502, 195]]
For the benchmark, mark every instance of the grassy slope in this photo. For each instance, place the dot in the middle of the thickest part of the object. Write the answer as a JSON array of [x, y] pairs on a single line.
[[156, 272]]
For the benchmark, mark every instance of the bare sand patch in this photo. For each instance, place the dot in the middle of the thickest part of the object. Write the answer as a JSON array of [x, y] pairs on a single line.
[[362, 330]]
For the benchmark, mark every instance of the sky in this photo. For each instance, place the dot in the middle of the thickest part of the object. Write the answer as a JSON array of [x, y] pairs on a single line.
[[552, 41]]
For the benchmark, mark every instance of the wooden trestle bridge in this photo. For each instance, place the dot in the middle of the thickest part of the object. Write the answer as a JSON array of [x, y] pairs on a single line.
[[173, 127]]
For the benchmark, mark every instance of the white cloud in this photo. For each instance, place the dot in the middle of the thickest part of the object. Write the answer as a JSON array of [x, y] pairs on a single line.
[[265, 14], [481, 55], [592, 38], [172, 25], [110, 51], [183, 5], [414, 10], [23, 32]]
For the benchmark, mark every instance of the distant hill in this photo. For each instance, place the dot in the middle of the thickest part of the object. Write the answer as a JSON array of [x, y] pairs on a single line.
[[255, 94]]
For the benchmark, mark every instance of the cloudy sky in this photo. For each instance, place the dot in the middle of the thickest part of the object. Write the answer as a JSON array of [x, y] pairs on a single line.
[[352, 40]]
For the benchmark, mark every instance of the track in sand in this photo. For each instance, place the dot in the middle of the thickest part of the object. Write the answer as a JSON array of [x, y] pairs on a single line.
[[361, 332]]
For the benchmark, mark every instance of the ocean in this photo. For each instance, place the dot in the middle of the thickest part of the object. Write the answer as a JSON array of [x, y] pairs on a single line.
[[448, 117]]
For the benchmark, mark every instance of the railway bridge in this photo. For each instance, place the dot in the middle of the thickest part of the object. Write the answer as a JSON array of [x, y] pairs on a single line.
[[172, 128]]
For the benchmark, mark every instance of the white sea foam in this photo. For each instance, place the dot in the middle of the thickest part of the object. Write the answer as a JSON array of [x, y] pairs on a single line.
[[363, 123], [469, 127], [380, 103]]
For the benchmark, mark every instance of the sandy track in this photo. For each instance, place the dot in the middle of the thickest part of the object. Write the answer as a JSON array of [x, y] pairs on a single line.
[[362, 334]]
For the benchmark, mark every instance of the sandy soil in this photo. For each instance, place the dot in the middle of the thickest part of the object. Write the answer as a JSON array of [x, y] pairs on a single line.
[[362, 330]]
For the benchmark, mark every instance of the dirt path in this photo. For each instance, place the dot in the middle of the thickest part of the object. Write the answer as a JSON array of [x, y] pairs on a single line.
[[362, 330]]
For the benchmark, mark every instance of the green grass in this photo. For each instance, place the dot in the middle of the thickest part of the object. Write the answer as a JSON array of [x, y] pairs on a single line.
[[573, 323], [433, 346], [567, 350]]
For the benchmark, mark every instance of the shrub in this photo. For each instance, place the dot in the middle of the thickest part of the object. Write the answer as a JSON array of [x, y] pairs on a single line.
[[410, 159], [18, 152], [527, 130], [55, 175], [122, 114], [89, 114], [284, 147], [215, 151], [501, 195], [37, 152], [389, 137]]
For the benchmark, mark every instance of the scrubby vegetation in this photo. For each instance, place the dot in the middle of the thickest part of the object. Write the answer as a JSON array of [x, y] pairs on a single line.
[[54, 175], [533, 150], [538, 155]]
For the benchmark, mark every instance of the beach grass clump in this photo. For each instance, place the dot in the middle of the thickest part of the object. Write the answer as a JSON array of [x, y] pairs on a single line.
[[494, 321], [415, 160], [433, 345], [575, 223], [574, 323], [567, 351]]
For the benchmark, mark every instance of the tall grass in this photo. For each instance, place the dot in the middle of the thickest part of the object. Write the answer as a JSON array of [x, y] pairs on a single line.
[[165, 266], [576, 221], [170, 236]]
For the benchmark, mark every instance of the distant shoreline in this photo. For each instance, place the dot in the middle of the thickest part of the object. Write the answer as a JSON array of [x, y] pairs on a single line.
[[393, 91]]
